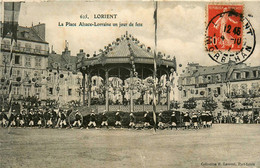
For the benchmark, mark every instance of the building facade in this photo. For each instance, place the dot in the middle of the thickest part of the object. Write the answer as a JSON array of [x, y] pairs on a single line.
[[30, 59], [221, 82]]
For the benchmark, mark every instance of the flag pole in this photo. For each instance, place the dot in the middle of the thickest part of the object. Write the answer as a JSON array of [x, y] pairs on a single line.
[[155, 67], [10, 25], [2, 33]]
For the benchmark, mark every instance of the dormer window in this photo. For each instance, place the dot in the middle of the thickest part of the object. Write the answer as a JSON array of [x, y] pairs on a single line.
[[247, 74], [209, 78], [238, 75], [25, 34]]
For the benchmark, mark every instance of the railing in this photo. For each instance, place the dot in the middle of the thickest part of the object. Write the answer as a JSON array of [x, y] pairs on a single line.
[[126, 108], [24, 49]]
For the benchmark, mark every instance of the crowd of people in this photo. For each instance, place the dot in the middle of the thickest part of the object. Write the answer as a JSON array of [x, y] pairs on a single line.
[[57, 118], [237, 119]]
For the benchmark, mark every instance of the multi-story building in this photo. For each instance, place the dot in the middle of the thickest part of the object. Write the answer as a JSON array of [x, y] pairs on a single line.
[[236, 81], [36, 72], [30, 59], [63, 81]]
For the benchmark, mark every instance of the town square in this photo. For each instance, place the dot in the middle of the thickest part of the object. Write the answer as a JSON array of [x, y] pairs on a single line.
[[123, 84]]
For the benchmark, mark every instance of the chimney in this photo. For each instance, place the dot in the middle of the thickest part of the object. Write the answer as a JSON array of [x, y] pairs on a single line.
[[40, 30], [66, 52]]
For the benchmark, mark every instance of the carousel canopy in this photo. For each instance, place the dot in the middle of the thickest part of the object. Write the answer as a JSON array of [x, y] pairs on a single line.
[[126, 53]]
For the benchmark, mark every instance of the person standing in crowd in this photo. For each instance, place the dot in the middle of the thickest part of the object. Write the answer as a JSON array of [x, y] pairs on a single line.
[[118, 120], [31, 118], [199, 119], [132, 121], [26, 118], [48, 119], [186, 120], [146, 120], [92, 120], [204, 120], [12, 119], [2, 118], [160, 120], [36, 117], [78, 118], [174, 121], [209, 120], [63, 122], [22, 118], [194, 119], [104, 120], [5, 119], [54, 117], [40, 118]]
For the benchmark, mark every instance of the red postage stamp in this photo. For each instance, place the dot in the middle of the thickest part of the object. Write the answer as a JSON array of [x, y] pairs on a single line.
[[229, 34], [225, 28]]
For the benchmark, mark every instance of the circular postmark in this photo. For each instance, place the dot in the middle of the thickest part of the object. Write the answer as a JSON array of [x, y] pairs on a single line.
[[229, 37]]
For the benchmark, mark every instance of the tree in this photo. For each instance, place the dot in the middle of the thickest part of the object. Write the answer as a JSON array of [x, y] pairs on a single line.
[[228, 104], [209, 104], [190, 104], [248, 103]]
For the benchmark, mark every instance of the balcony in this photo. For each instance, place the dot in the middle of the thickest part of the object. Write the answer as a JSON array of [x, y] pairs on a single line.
[[26, 50]]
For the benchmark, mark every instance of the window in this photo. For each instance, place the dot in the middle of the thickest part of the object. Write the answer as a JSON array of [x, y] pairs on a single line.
[[192, 80], [94, 82], [16, 73], [6, 44], [69, 92], [17, 59], [200, 79], [255, 73], [218, 90], [38, 62], [51, 91], [247, 74], [37, 49], [27, 61], [196, 92], [17, 46], [37, 91], [209, 78], [27, 47], [218, 77], [16, 90], [27, 91], [238, 75]]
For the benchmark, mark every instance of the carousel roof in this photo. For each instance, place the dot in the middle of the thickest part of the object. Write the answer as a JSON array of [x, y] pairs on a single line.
[[125, 50]]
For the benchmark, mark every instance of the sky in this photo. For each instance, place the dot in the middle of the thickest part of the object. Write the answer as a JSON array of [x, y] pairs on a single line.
[[181, 26]]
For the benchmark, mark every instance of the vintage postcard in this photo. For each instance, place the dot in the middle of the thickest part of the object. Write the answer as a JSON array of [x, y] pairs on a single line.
[[171, 84]]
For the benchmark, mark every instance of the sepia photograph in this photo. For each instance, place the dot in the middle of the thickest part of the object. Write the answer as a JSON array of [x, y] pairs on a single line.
[[162, 84]]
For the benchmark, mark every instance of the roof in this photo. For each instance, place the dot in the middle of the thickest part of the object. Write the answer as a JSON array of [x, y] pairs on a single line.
[[217, 69], [199, 70], [31, 34], [65, 63], [121, 49], [125, 50]]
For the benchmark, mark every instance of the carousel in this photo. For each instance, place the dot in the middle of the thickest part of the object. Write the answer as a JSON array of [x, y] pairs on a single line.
[[130, 70]]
